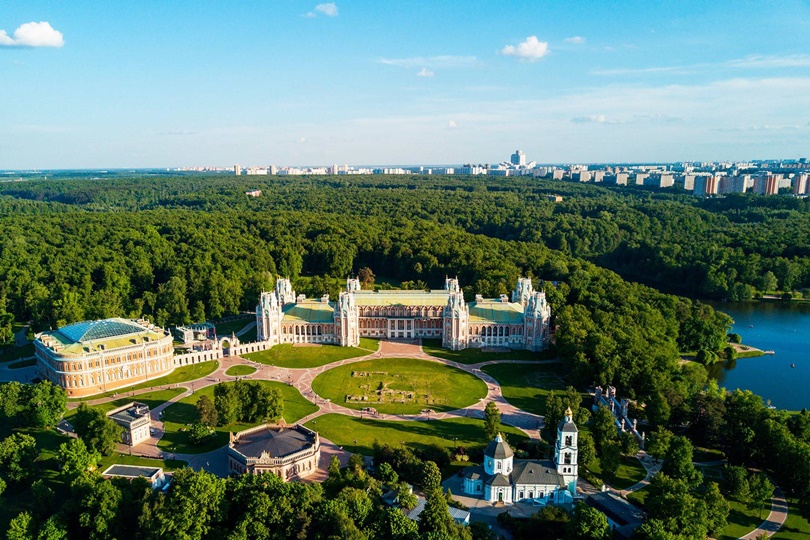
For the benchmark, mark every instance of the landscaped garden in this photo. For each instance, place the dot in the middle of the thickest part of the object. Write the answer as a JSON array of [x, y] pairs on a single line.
[[434, 347], [526, 386], [345, 430], [796, 526], [400, 386], [179, 416], [239, 371], [181, 374], [308, 356]]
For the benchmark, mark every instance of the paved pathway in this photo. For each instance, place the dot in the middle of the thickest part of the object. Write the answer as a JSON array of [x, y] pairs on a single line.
[[775, 520], [651, 465], [302, 380]]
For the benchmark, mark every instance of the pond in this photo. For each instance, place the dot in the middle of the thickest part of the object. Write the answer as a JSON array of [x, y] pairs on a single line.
[[781, 327]]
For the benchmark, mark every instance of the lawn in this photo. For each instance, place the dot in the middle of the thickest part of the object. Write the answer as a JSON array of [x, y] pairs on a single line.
[[179, 375], [742, 520], [630, 472], [344, 430], [400, 386], [287, 356], [434, 347], [527, 386], [23, 364], [250, 336], [15, 353], [238, 371], [796, 527], [126, 459], [178, 416], [701, 455], [231, 327], [152, 399]]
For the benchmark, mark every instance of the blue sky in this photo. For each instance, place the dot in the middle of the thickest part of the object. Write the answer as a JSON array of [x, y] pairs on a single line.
[[288, 82]]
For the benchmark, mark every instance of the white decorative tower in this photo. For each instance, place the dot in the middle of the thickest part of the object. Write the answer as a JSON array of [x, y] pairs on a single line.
[[352, 284], [565, 451], [284, 291], [347, 321], [456, 319], [537, 317], [268, 318], [523, 291], [451, 284]]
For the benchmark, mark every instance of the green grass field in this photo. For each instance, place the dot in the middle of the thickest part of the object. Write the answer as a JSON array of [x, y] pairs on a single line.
[[307, 357], [433, 347], [15, 353], [630, 472], [250, 336], [343, 430], [179, 375], [796, 527], [527, 386], [126, 459], [238, 371], [23, 364], [230, 327], [152, 399], [422, 384], [742, 520], [180, 415]]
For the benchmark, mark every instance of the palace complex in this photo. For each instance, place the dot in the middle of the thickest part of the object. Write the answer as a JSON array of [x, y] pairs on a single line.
[[522, 323], [507, 480]]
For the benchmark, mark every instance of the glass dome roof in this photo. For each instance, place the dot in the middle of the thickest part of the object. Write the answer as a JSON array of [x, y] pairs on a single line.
[[103, 329]]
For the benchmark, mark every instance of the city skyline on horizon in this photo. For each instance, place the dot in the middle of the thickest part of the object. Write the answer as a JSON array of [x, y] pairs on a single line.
[[157, 86]]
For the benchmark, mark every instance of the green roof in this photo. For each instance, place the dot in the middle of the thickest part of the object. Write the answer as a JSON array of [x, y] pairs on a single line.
[[401, 298], [311, 311], [495, 311]]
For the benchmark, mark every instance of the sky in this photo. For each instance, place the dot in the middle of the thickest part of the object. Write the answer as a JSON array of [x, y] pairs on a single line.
[[88, 84]]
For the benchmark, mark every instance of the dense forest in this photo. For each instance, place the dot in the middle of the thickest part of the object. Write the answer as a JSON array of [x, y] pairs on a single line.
[[186, 248], [182, 249]]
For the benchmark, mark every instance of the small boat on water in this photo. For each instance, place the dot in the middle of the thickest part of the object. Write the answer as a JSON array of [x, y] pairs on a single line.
[[793, 365], [750, 326], [770, 352]]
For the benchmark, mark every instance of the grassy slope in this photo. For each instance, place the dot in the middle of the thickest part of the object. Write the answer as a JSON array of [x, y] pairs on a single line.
[[630, 472], [343, 430], [449, 388], [433, 347], [527, 386], [306, 357], [179, 375], [182, 414]]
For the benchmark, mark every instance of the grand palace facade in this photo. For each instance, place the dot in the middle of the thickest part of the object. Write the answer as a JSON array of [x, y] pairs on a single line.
[[519, 323]]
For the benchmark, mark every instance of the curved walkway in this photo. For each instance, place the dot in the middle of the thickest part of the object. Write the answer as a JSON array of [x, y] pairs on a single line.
[[775, 520]]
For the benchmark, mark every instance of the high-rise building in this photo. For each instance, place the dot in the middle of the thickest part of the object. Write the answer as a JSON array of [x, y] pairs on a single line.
[[519, 159], [801, 184], [706, 185], [237, 170]]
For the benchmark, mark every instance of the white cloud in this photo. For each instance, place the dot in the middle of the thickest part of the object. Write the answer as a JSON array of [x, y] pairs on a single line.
[[330, 9], [530, 50], [424, 72], [32, 34], [575, 40], [451, 124], [593, 118], [444, 61], [748, 62]]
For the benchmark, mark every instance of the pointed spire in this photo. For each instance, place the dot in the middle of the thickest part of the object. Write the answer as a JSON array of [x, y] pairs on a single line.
[[569, 415]]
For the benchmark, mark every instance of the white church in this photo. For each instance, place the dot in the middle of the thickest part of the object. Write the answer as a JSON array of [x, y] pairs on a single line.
[[521, 322], [503, 479]]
